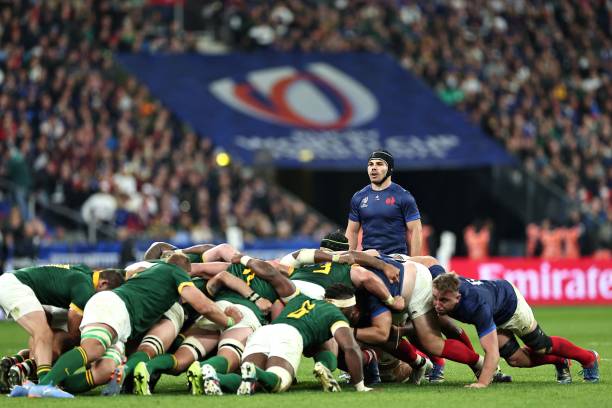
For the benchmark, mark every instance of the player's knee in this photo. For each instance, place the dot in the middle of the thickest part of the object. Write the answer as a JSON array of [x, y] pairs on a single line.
[[194, 347], [538, 341], [509, 351], [152, 345], [232, 346], [96, 338], [285, 378]]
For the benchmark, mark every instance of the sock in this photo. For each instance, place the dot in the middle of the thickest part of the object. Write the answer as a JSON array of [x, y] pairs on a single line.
[[67, 364], [133, 360], [565, 348], [406, 352], [542, 359], [163, 363], [15, 359], [457, 351], [439, 361], [219, 363], [27, 367], [229, 382], [465, 339], [368, 356], [79, 383], [328, 359], [267, 379], [42, 369]]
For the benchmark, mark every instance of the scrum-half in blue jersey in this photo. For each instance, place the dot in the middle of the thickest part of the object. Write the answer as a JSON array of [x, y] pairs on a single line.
[[383, 216]]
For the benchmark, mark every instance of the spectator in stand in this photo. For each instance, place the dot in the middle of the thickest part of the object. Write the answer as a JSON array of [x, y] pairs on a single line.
[[477, 238]]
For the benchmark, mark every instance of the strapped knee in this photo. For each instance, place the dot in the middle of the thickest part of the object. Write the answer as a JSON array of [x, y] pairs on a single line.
[[538, 341], [113, 354], [195, 347], [508, 349], [154, 343], [99, 334], [286, 379], [233, 345]]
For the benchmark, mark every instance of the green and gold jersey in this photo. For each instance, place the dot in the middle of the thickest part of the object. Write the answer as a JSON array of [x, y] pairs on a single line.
[[150, 293], [324, 274], [194, 258], [316, 320], [65, 286], [259, 286]]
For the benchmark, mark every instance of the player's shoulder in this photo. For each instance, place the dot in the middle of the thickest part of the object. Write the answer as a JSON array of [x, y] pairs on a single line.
[[363, 191], [396, 188]]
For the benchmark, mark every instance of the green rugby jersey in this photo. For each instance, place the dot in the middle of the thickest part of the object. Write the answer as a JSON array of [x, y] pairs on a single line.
[[194, 258], [65, 286], [259, 286], [316, 320], [150, 293], [324, 274]]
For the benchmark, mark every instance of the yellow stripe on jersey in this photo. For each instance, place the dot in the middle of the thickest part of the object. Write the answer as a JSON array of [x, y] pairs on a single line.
[[96, 279], [76, 308], [337, 325], [290, 270], [182, 285]]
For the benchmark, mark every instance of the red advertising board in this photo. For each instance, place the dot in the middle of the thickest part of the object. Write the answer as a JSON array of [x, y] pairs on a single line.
[[547, 282]]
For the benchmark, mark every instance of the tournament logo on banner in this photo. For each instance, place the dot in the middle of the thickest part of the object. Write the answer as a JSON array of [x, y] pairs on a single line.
[[315, 110]]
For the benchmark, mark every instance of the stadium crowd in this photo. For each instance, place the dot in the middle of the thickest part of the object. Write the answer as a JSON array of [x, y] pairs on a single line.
[[74, 136], [534, 74]]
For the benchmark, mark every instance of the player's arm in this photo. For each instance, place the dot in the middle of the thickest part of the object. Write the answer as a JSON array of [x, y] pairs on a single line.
[[369, 261], [352, 233], [207, 308], [209, 269], [226, 279], [212, 253], [414, 235], [490, 346], [352, 356], [378, 332], [281, 284], [361, 277], [156, 249], [311, 256]]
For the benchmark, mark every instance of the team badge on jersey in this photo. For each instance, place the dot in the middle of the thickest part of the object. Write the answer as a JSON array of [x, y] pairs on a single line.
[[390, 200], [364, 203]]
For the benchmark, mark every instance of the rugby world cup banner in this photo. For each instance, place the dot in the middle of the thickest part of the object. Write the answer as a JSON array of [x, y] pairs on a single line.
[[543, 282], [315, 110]]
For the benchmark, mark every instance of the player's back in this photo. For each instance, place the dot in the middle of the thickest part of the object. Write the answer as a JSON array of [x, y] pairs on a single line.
[[324, 274], [54, 284], [497, 295]]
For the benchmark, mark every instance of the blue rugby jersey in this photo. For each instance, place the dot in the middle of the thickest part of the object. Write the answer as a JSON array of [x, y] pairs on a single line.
[[485, 304], [383, 216]]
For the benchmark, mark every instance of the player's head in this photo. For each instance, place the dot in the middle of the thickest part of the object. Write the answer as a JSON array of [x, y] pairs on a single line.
[[380, 166], [179, 260], [108, 279], [342, 297], [156, 249], [335, 241], [445, 290]]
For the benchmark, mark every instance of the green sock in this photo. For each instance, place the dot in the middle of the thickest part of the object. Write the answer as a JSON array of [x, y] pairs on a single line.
[[327, 358], [67, 364], [219, 364], [79, 383], [267, 379], [229, 382], [133, 360], [163, 363]]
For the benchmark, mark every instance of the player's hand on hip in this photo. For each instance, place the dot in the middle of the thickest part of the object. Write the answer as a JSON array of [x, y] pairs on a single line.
[[476, 385], [264, 305], [234, 313], [398, 304], [392, 273]]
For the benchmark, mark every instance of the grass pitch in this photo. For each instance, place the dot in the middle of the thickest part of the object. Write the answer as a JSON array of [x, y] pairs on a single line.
[[587, 327]]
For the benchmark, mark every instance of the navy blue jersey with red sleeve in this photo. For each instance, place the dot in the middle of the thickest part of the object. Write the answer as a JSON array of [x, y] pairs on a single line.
[[485, 304], [383, 216]]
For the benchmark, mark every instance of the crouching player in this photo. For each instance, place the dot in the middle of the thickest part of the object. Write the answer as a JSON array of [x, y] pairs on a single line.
[[273, 353], [499, 312]]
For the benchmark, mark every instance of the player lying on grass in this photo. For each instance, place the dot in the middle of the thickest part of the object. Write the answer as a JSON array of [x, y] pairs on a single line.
[[113, 316], [273, 353], [500, 312], [22, 296]]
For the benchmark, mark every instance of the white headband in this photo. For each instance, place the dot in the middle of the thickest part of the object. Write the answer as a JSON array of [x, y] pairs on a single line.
[[341, 303]]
